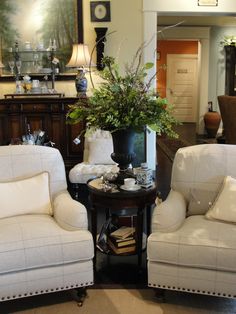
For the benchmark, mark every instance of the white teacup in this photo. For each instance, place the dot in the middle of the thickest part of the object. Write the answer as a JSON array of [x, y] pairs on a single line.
[[129, 183]]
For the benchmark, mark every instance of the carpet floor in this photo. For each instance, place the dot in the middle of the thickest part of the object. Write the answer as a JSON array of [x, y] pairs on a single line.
[[122, 301]]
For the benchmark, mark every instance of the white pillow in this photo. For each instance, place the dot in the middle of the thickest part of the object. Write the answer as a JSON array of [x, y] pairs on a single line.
[[169, 215], [100, 150], [26, 196], [224, 207], [200, 201]]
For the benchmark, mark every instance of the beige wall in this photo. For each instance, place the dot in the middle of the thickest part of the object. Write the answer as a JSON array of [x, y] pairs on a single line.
[[126, 21], [126, 30], [224, 6]]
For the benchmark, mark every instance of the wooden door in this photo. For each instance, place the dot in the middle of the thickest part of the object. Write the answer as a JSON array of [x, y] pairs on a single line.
[[182, 81]]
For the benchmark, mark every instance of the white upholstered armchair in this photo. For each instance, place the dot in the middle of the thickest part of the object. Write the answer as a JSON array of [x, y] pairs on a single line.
[[98, 147], [44, 242], [192, 246]]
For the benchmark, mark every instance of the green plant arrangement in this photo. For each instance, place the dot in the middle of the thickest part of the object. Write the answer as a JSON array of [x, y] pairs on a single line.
[[228, 41], [124, 101]]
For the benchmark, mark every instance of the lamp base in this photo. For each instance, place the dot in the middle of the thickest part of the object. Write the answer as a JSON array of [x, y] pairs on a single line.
[[81, 83]]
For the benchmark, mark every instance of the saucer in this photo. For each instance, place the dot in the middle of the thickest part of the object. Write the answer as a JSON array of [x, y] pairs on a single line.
[[134, 188]]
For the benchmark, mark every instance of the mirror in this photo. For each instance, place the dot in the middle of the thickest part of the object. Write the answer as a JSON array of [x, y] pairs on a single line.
[[31, 30]]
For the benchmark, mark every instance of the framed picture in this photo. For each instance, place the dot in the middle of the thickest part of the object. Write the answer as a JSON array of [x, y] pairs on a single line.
[[100, 11], [45, 23]]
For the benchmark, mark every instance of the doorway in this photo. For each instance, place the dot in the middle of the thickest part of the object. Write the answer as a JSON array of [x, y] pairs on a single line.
[[182, 85], [174, 62]]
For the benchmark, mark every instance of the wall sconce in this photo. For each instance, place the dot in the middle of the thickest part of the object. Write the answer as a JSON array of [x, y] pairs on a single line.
[[80, 59], [100, 40]]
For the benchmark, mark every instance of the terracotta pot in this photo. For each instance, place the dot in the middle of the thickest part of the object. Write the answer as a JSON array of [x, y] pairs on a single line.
[[212, 122]]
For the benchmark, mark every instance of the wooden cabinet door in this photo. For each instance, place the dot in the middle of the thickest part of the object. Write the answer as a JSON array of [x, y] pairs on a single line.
[[47, 114], [4, 135]]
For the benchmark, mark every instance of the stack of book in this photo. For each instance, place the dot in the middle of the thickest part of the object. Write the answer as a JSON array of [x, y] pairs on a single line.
[[122, 240]]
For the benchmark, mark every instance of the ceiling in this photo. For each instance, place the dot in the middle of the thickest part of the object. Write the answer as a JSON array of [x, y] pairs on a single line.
[[223, 21]]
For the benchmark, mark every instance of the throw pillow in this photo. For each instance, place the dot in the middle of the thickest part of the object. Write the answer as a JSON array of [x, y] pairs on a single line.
[[169, 215], [200, 201], [224, 207], [26, 196], [100, 150]]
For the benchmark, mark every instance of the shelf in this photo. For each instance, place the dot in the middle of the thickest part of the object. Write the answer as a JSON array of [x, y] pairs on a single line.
[[32, 51], [40, 76], [60, 95]]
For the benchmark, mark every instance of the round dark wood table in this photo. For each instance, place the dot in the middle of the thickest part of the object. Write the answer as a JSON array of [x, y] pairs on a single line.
[[119, 200]]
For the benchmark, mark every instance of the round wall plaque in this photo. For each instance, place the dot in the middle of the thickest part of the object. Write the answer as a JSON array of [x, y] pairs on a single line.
[[100, 11]]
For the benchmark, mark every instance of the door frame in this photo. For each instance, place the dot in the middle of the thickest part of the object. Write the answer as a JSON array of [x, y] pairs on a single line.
[[202, 36]]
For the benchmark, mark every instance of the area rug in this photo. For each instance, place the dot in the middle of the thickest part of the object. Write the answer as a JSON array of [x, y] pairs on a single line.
[[170, 146]]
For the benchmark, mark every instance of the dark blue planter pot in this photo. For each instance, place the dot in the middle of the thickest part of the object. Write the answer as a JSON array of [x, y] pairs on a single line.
[[123, 148]]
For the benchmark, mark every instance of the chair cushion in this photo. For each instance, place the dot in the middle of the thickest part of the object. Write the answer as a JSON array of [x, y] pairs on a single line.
[[224, 207], [203, 167], [100, 150], [200, 201], [26, 196], [84, 171], [24, 161], [199, 243], [93, 136], [34, 241]]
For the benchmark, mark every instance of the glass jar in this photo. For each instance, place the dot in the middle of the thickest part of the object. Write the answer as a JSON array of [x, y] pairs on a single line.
[[18, 87]]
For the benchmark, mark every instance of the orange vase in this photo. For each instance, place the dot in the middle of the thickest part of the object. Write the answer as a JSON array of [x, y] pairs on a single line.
[[212, 122]]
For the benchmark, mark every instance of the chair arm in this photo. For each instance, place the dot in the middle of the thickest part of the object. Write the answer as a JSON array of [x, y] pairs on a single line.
[[169, 215], [68, 213]]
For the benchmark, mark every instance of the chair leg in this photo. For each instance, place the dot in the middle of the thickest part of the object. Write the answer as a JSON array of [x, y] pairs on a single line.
[[79, 295], [160, 295], [75, 191]]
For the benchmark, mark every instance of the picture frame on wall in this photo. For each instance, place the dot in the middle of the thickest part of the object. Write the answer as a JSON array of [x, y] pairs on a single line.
[[38, 30], [100, 11]]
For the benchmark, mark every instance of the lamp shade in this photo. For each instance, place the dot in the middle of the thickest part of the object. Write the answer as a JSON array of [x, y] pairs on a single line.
[[80, 56]]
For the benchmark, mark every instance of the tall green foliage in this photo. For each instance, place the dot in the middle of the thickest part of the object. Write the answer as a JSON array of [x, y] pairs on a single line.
[[124, 101]]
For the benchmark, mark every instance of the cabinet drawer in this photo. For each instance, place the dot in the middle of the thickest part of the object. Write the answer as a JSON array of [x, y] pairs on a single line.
[[35, 107], [4, 108]]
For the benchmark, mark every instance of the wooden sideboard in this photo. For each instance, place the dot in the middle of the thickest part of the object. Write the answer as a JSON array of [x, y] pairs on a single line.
[[47, 114]]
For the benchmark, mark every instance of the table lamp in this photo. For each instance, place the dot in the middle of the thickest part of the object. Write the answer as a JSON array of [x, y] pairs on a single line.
[[80, 59]]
